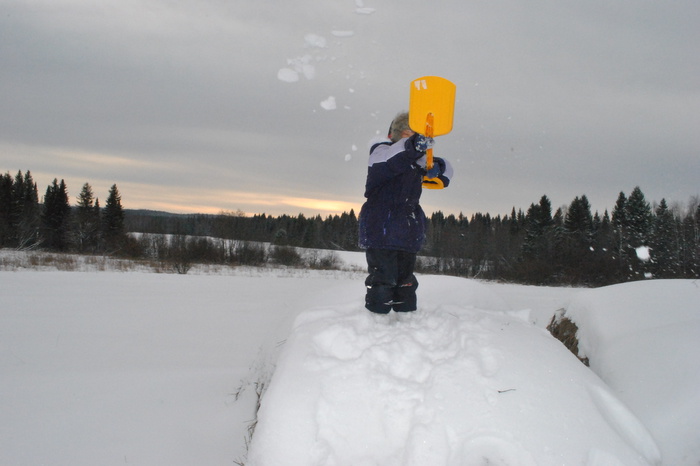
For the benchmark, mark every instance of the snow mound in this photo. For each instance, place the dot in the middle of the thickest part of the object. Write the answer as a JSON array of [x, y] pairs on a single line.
[[642, 340], [463, 382]]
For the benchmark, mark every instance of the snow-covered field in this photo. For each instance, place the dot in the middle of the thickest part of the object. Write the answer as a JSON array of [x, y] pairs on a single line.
[[141, 368]]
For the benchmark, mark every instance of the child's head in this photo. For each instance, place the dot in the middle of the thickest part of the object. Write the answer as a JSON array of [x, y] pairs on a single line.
[[399, 127]]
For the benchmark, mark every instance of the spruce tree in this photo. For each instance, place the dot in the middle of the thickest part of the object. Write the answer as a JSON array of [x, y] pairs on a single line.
[[556, 238], [113, 232], [6, 202], [538, 222], [28, 213], [578, 227], [619, 231], [638, 222], [603, 270], [691, 236], [87, 225], [596, 227], [638, 217], [55, 216], [603, 240], [18, 196], [538, 265], [515, 236], [665, 243], [579, 221]]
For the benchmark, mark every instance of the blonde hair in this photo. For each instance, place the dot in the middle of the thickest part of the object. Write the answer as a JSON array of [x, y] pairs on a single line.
[[398, 126]]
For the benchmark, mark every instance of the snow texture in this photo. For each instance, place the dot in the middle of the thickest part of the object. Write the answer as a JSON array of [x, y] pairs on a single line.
[[139, 368], [463, 382], [642, 339]]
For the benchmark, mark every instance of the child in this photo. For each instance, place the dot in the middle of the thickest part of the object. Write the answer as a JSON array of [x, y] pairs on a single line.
[[392, 223]]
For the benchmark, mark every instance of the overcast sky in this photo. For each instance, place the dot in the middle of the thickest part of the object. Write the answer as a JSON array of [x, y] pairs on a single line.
[[193, 106]]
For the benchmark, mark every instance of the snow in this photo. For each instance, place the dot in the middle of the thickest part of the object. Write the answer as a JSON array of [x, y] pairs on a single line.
[[362, 9], [329, 103], [301, 65], [643, 253], [642, 339], [288, 75], [343, 33], [464, 381], [143, 368], [315, 40]]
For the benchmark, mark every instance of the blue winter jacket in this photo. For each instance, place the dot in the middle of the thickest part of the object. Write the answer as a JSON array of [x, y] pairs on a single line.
[[391, 218]]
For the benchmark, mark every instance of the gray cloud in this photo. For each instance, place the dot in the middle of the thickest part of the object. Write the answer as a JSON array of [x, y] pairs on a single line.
[[557, 98]]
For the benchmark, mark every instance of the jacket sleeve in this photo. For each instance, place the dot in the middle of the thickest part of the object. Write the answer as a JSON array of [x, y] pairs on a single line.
[[389, 160]]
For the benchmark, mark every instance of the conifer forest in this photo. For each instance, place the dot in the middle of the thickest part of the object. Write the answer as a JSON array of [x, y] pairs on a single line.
[[569, 245]]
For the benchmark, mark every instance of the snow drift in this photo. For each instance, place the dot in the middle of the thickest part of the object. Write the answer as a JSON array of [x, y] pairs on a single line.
[[463, 381], [139, 368], [642, 339]]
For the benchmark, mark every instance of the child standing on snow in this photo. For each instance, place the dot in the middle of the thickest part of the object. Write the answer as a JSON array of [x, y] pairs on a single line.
[[392, 223]]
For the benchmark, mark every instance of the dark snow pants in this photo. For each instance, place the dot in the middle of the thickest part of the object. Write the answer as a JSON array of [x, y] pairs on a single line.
[[391, 283]]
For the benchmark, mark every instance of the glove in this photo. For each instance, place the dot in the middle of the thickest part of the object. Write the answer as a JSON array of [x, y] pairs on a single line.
[[434, 172], [423, 143], [437, 170]]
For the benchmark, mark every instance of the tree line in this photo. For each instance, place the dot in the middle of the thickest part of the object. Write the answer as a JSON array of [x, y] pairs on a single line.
[[53, 224], [570, 245], [335, 232]]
